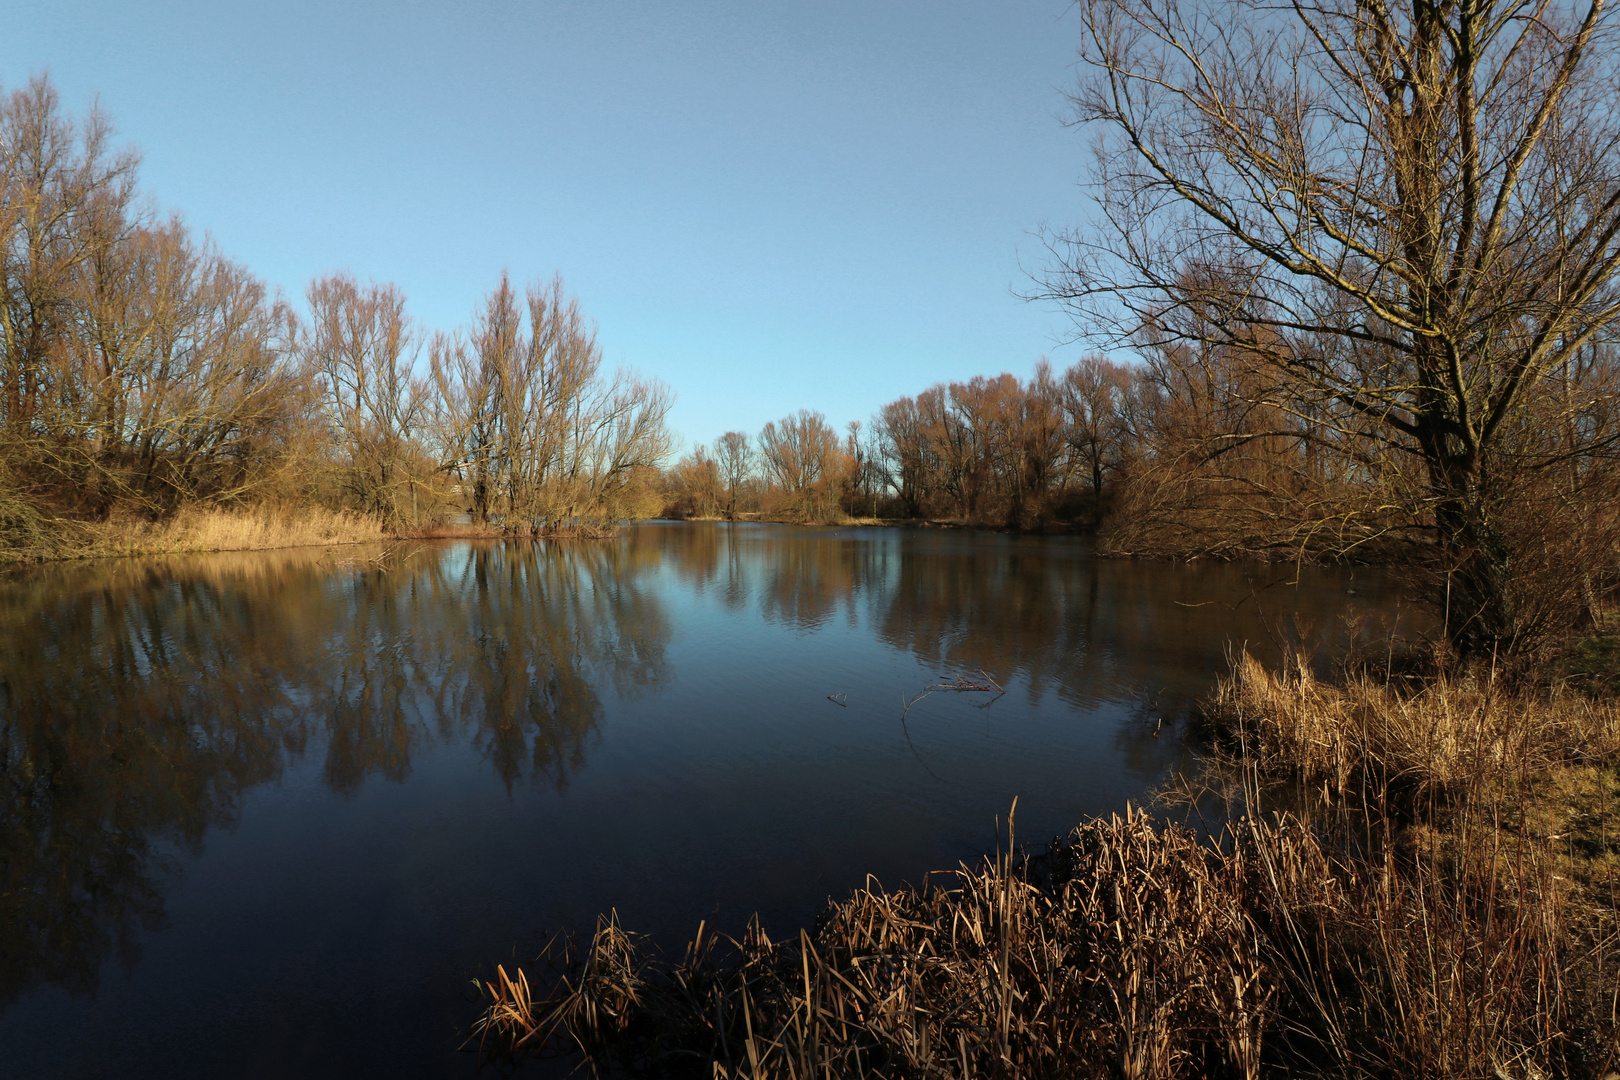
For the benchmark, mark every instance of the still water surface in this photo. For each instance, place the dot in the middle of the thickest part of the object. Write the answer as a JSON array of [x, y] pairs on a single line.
[[270, 814]]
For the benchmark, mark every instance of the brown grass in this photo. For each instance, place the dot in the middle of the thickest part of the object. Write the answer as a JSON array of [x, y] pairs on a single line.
[[1443, 906], [198, 529], [201, 528], [1443, 740], [1493, 805]]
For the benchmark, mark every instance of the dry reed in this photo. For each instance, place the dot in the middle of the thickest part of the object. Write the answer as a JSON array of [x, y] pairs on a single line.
[[1440, 741], [202, 528], [1129, 949], [1447, 908], [1111, 953]]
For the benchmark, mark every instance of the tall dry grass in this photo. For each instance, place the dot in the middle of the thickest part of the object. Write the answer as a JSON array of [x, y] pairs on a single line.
[[204, 528], [1478, 817], [1443, 739], [1131, 949], [1424, 919]]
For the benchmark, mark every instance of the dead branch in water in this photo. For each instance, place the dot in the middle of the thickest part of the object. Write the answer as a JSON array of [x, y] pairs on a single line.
[[962, 684]]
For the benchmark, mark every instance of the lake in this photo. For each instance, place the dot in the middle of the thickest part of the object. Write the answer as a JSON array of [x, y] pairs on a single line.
[[271, 814]]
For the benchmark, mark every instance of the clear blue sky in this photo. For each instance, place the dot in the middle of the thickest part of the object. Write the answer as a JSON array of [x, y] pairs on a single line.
[[767, 205]]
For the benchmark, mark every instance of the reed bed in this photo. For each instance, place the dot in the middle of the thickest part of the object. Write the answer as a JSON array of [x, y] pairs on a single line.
[[1130, 948], [203, 528], [1443, 740], [1441, 902]]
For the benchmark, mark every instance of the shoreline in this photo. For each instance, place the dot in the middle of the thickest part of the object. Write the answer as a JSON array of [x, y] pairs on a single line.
[[1085, 530], [201, 530], [206, 531]]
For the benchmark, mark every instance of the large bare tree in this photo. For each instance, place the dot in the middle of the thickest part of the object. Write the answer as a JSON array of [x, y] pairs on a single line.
[[532, 425], [735, 458], [1408, 213], [364, 348], [800, 455]]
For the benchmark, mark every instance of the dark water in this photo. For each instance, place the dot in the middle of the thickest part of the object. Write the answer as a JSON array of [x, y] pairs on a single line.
[[270, 814]]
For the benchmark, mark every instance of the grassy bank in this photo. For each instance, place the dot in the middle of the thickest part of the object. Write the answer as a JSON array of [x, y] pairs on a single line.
[[194, 529], [1439, 900], [34, 538]]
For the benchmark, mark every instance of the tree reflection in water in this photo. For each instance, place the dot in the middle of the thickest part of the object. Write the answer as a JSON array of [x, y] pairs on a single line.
[[140, 701], [1038, 610]]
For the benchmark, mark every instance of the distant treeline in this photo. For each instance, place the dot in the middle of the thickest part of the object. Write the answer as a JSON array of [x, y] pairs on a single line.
[[1150, 451], [990, 451], [142, 371]]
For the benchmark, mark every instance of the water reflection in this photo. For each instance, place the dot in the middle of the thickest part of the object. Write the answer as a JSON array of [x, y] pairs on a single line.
[[1036, 609], [141, 701]]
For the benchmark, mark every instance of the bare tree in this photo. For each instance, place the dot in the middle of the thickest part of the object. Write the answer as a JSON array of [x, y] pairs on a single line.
[[865, 473], [64, 198], [534, 428], [1407, 213], [466, 419], [801, 456], [174, 382], [218, 397], [362, 344], [735, 458], [905, 449], [1037, 444], [698, 479], [137, 366], [1094, 392], [955, 447]]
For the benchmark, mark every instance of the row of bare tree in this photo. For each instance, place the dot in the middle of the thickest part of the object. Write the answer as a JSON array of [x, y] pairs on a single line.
[[989, 451], [141, 369], [797, 468], [998, 449]]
